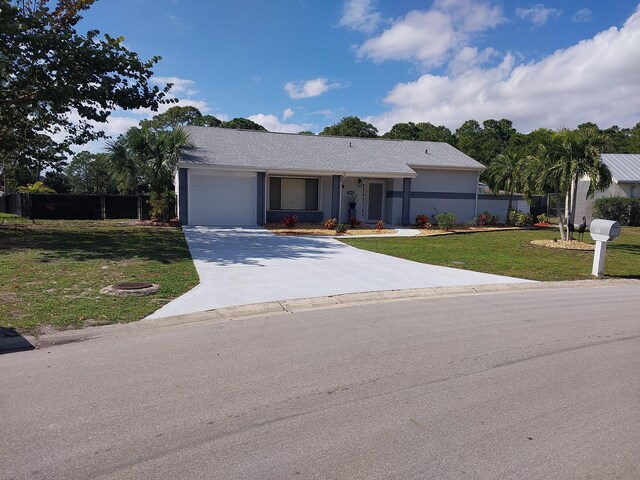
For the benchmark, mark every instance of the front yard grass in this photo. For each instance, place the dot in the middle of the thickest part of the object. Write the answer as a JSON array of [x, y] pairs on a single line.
[[51, 271], [510, 253]]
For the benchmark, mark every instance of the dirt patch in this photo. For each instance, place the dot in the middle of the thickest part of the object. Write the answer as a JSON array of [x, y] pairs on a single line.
[[563, 244]]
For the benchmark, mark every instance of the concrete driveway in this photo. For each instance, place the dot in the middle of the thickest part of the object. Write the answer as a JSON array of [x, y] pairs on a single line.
[[240, 266]]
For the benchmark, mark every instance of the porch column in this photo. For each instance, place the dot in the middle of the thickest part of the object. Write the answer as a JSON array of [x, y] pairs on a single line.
[[183, 196], [260, 210], [406, 200], [335, 197]]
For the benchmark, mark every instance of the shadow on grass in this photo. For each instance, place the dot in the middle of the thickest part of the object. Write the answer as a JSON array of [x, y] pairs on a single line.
[[80, 242], [625, 247]]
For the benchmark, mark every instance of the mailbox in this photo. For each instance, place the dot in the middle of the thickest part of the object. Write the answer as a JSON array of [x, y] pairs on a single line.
[[604, 230]]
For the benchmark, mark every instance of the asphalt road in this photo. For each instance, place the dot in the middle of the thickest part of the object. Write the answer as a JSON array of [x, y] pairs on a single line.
[[537, 385]]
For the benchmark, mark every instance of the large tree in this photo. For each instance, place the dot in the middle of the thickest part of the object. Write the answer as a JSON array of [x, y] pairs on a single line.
[[56, 83], [505, 174], [90, 173], [351, 127], [570, 156], [178, 116], [240, 123], [424, 131]]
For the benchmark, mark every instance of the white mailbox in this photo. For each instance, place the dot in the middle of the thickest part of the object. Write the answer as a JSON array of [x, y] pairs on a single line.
[[602, 231]]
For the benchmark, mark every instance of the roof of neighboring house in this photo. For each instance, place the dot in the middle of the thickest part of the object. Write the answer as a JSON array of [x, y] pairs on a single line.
[[625, 167], [251, 149]]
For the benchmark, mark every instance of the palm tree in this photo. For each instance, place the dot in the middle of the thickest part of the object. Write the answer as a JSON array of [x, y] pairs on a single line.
[[570, 156], [125, 168], [157, 154], [505, 173], [152, 156]]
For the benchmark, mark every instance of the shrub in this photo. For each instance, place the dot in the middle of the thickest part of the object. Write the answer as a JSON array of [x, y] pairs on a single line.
[[542, 218], [331, 223], [290, 221], [422, 221], [625, 211], [163, 206], [37, 188], [520, 219], [341, 228], [471, 223], [354, 222], [487, 218], [446, 221], [380, 225]]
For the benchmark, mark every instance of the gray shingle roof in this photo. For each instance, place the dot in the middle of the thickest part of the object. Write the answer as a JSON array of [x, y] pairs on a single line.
[[625, 167], [312, 153]]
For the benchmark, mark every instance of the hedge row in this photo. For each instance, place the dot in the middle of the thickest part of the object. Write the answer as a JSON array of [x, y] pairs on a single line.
[[624, 210]]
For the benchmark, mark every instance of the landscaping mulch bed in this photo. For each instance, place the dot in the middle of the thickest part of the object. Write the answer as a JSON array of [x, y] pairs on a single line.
[[563, 244], [430, 231], [318, 230]]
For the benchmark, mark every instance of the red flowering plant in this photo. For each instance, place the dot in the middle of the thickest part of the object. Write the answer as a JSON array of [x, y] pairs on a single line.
[[290, 221]]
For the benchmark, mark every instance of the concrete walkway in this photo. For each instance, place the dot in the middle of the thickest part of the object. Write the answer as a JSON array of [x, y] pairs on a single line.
[[241, 266]]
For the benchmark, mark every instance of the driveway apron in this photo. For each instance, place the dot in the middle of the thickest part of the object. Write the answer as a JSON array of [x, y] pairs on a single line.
[[241, 266]]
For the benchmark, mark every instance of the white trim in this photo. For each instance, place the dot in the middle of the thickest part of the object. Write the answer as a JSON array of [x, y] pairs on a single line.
[[432, 167], [294, 172]]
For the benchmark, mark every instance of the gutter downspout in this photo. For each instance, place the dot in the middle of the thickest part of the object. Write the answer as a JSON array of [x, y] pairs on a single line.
[[475, 214], [344, 175]]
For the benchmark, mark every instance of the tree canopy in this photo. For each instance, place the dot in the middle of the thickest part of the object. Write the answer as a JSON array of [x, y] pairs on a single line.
[[178, 116], [240, 123], [56, 83], [351, 127]]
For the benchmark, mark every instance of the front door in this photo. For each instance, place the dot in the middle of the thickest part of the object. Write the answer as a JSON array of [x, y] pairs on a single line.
[[374, 202]]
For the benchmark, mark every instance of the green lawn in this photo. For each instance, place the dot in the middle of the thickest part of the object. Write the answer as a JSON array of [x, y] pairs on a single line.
[[51, 271], [510, 253]]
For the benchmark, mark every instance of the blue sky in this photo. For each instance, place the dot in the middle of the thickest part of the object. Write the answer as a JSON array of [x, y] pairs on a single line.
[[296, 65]]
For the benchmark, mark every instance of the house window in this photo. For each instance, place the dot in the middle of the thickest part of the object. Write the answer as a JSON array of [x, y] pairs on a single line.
[[293, 193]]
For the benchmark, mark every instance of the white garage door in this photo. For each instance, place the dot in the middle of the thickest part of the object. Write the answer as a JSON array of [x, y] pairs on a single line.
[[225, 199]]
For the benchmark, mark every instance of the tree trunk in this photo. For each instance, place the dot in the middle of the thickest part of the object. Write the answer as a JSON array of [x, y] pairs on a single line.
[[509, 208], [574, 201], [563, 232]]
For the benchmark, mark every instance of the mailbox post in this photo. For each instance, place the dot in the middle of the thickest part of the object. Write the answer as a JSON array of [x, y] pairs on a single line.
[[602, 231]]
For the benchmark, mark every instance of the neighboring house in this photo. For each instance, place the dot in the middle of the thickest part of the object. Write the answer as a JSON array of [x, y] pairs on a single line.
[[625, 170], [243, 177]]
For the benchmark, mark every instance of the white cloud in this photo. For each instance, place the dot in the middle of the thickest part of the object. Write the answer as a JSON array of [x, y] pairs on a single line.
[[273, 124], [180, 85], [359, 15], [590, 81], [583, 15], [429, 36], [325, 112], [122, 120], [538, 14], [469, 58], [308, 89], [288, 113], [471, 15]]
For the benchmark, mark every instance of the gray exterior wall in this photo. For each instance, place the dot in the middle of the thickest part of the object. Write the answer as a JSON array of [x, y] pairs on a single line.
[[440, 191], [584, 205], [498, 204]]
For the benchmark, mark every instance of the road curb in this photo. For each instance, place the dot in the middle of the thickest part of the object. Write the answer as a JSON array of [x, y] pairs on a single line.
[[303, 304]]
